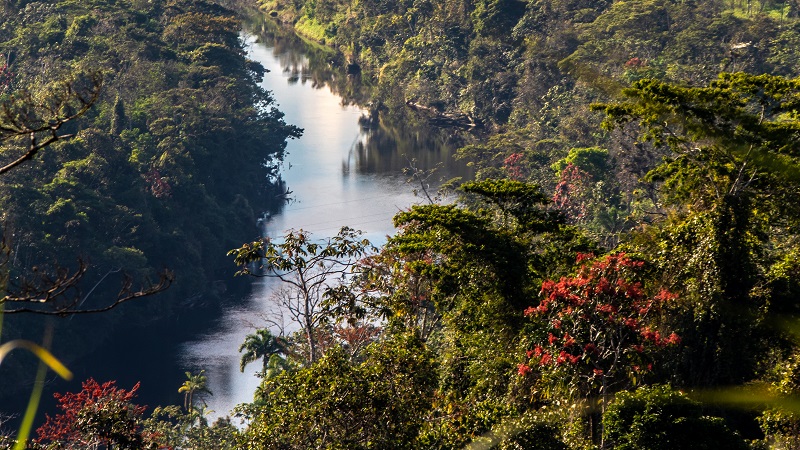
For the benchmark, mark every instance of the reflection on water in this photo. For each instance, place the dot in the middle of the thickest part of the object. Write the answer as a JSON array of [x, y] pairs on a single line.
[[339, 173], [389, 148], [303, 61]]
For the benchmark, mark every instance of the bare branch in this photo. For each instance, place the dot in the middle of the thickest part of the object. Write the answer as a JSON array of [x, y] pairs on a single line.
[[308, 269], [46, 292], [41, 120], [44, 288], [422, 178]]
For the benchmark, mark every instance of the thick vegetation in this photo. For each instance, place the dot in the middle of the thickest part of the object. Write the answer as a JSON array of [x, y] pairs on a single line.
[[607, 129], [625, 264]]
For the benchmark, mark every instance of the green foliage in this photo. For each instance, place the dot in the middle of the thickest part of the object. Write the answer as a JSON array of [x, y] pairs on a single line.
[[493, 17], [532, 433], [783, 283], [310, 28], [520, 200], [659, 417], [593, 161], [336, 403], [176, 428], [781, 425], [748, 120], [469, 245], [298, 252], [516, 155]]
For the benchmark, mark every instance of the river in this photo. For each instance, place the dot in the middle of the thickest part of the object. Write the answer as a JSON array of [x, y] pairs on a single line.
[[338, 173]]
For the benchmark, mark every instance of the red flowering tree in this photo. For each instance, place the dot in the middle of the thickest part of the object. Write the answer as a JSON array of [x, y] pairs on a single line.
[[100, 414], [596, 329], [159, 185]]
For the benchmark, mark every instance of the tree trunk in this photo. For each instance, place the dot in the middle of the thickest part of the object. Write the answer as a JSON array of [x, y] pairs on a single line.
[[312, 342]]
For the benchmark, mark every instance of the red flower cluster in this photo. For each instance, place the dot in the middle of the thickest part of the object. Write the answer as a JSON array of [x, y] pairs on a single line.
[[514, 167], [607, 309], [599, 322], [99, 413], [159, 186], [5, 77], [569, 341], [634, 62], [656, 338], [566, 358]]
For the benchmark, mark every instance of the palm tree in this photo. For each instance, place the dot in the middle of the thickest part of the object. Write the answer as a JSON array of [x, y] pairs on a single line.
[[261, 345], [194, 384]]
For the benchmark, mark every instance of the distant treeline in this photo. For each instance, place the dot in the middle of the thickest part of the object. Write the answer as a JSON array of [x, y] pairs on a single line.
[[537, 62]]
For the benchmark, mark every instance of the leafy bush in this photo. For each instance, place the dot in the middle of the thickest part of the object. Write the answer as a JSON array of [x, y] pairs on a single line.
[[661, 418]]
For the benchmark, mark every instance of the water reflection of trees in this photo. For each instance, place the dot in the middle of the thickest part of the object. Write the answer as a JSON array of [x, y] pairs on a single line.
[[389, 140], [390, 147], [304, 61]]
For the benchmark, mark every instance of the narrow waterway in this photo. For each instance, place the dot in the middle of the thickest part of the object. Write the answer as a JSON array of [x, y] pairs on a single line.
[[339, 173]]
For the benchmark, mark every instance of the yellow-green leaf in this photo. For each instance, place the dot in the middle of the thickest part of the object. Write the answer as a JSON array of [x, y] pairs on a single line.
[[42, 353]]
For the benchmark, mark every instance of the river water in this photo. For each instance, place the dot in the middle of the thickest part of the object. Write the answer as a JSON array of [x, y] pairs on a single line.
[[338, 173]]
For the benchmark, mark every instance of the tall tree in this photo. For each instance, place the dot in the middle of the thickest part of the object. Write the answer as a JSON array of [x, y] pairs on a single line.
[[378, 403], [196, 384], [309, 268]]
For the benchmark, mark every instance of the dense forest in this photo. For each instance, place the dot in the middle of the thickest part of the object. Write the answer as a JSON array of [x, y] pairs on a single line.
[[623, 272]]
